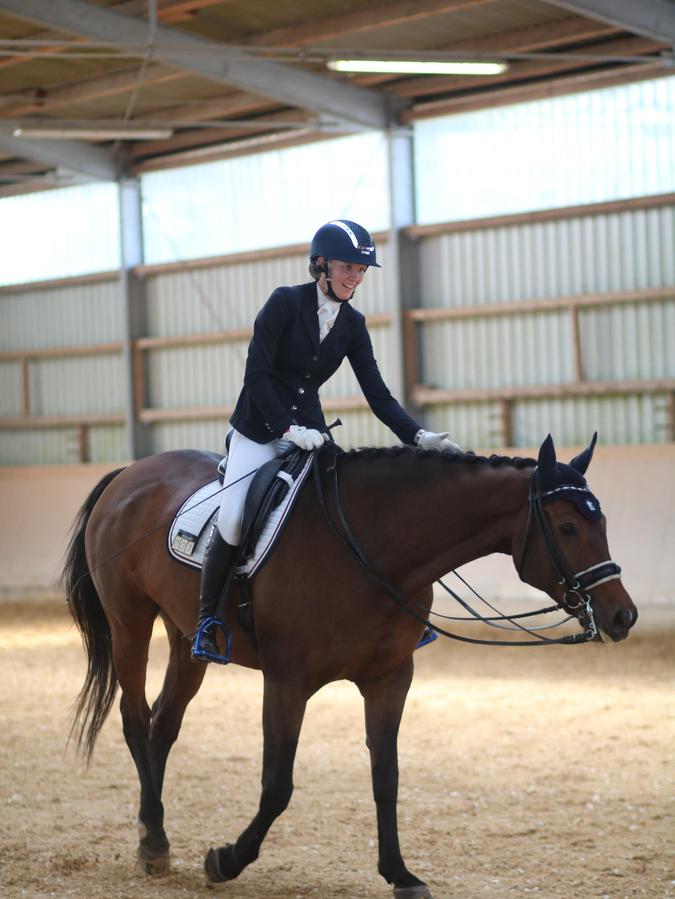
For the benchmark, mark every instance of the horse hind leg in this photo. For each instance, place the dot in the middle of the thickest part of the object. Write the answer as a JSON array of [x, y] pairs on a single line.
[[130, 655], [283, 710], [182, 681]]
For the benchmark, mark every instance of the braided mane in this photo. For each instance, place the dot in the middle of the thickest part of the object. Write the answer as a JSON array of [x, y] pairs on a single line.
[[370, 453]]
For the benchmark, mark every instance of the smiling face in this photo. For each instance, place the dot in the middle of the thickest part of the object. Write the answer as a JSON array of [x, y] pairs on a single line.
[[344, 277]]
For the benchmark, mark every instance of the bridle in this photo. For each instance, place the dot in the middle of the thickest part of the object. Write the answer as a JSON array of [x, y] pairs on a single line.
[[576, 599]]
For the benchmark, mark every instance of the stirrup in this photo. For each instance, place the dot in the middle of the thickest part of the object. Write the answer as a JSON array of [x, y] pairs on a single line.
[[427, 637], [199, 653]]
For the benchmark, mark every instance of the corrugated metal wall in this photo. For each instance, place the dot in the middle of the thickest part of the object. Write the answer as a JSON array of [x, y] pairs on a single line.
[[622, 251], [73, 315], [584, 254]]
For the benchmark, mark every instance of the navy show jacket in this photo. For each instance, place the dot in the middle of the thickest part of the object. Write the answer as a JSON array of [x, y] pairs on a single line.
[[287, 364]]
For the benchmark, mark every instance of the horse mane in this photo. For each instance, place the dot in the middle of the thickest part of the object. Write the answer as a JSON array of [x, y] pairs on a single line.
[[369, 453]]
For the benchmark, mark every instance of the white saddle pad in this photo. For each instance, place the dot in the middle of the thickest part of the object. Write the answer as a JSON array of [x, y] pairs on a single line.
[[189, 531]]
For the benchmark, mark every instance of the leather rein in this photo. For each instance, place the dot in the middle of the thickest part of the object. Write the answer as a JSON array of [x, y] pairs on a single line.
[[576, 600]]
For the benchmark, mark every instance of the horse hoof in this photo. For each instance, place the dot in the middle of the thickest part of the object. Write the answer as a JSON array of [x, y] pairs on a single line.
[[220, 864], [153, 867], [419, 891]]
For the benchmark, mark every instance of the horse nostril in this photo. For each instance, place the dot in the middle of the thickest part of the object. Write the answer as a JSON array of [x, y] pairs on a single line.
[[624, 619]]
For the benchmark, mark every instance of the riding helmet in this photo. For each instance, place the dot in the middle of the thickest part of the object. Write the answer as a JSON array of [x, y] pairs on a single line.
[[344, 241]]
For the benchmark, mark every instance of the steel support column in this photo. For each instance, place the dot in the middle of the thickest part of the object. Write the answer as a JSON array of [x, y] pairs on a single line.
[[404, 283], [134, 313]]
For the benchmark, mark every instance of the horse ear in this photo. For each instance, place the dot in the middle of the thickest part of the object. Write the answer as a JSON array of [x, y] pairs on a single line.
[[583, 460], [546, 461]]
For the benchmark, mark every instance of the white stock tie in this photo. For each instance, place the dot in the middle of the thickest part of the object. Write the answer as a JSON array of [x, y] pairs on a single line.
[[327, 315]]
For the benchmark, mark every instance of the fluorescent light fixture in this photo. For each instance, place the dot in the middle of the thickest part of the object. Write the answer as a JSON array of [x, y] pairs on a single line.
[[417, 67], [93, 133]]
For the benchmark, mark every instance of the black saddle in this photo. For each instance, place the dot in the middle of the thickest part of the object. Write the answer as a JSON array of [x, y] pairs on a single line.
[[268, 489]]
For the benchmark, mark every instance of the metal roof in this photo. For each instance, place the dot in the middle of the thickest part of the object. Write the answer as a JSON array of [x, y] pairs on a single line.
[[232, 77]]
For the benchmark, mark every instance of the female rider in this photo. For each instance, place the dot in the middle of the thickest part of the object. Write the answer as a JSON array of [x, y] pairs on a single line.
[[300, 337]]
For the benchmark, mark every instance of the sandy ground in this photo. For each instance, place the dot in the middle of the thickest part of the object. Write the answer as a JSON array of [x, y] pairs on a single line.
[[547, 772]]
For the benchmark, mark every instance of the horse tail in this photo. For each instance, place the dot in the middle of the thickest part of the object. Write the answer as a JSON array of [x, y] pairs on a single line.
[[100, 685]]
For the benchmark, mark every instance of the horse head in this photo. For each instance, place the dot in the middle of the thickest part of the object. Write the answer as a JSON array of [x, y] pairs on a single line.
[[564, 549]]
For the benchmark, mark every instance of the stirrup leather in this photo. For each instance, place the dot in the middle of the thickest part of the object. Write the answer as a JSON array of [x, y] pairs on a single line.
[[197, 650]]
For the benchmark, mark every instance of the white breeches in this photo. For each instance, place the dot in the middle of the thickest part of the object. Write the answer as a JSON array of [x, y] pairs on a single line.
[[245, 456]]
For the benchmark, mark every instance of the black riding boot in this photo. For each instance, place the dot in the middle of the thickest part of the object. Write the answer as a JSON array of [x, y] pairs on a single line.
[[218, 566]]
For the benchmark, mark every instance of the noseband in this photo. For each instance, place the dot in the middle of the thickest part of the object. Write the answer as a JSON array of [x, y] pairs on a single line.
[[576, 599]]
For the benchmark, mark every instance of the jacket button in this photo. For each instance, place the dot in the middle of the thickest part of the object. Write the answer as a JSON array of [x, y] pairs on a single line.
[[308, 374], [315, 358], [301, 389], [294, 408]]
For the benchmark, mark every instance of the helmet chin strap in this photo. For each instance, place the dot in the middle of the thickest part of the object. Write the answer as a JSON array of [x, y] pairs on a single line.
[[329, 286]]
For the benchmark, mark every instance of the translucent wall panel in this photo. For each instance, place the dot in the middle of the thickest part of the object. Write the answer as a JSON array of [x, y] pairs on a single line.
[[59, 233], [266, 200], [583, 148]]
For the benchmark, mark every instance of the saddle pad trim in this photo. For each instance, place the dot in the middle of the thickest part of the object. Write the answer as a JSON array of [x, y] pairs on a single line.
[[209, 497]]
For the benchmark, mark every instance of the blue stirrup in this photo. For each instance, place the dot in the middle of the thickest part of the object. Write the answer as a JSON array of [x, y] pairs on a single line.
[[427, 637], [199, 653]]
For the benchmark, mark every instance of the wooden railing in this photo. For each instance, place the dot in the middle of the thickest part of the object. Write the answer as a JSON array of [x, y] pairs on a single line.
[[421, 395], [82, 422]]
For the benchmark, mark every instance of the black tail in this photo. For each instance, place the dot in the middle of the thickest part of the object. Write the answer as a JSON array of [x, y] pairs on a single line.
[[100, 685]]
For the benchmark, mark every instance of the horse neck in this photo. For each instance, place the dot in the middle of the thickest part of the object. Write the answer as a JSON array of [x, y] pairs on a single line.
[[434, 515]]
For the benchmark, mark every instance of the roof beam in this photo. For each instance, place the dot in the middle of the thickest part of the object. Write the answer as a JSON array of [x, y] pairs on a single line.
[[652, 18], [95, 163], [209, 59]]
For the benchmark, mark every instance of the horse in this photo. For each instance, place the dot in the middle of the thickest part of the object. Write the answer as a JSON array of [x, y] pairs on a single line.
[[322, 613]]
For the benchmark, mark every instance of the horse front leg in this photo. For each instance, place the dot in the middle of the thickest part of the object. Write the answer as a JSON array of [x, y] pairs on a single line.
[[384, 700], [283, 710]]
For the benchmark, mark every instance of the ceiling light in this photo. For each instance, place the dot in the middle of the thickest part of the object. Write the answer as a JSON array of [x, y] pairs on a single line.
[[94, 133], [418, 67]]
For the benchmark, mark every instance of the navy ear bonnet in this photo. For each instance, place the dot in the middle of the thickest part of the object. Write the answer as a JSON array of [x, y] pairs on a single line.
[[560, 481]]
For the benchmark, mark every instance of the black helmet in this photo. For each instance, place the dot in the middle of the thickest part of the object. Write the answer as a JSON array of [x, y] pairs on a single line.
[[344, 241]]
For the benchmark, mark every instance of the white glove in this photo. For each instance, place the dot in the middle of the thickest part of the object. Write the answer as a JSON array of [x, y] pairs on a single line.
[[305, 438], [431, 440]]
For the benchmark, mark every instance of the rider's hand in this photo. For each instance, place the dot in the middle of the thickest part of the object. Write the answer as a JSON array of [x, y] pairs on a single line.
[[431, 440], [305, 438]]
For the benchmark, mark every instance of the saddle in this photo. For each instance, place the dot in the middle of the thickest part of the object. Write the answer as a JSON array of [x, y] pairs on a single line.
[[268, 490], [269, 501]]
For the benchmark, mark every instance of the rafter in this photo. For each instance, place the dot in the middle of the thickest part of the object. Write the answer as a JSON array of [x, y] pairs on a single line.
[[383, 15], [652, 18], [109, 85], [212, 60], [546, 36]]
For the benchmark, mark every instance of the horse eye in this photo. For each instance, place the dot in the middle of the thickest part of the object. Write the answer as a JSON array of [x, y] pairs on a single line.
[[567, 529]]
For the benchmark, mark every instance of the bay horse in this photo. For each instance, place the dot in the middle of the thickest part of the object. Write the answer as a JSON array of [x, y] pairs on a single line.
[[319, 615]]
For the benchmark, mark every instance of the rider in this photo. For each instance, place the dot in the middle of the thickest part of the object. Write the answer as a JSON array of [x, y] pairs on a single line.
[[300, 338]]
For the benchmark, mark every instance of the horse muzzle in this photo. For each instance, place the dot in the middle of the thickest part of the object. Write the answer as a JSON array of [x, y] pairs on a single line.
[[618, 627]]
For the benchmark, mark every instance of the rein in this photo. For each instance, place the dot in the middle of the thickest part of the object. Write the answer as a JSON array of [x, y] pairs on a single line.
[[576, 584]]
